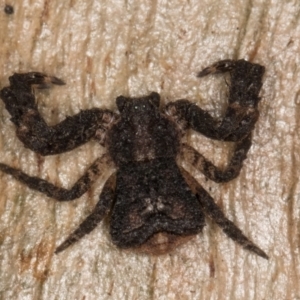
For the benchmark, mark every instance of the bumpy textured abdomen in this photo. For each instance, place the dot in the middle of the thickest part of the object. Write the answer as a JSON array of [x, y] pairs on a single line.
[[153, 197]]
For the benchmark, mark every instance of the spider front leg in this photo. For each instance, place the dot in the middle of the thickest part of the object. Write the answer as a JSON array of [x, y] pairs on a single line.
[[237, 124], [100, 211], [32, 129], [241, 114]]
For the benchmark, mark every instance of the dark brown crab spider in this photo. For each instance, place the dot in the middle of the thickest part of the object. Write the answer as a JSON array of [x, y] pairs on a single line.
[[154, 203]]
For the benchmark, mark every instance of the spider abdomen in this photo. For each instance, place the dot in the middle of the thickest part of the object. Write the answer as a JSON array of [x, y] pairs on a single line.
[[153, 206]]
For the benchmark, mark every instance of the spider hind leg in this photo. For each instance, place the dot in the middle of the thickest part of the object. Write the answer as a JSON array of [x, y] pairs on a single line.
[[100, 211], [211, 209]]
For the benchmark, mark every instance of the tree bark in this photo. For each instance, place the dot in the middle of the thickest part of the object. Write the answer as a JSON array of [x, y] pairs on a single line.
[[103, 49]]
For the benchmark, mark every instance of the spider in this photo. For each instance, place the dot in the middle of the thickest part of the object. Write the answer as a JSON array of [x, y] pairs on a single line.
[[153, 203]]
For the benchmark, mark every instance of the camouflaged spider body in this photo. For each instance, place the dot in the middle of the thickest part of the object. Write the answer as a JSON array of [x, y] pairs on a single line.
[[154, 203]]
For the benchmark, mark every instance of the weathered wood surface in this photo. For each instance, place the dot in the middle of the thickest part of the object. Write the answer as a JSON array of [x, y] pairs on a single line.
[[103, 49]]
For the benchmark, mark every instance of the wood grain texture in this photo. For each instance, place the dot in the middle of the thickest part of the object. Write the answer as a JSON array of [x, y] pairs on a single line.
[[104, 49]]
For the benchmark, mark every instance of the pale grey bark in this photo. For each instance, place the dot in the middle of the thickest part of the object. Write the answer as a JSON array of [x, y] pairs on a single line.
[[103, 49]]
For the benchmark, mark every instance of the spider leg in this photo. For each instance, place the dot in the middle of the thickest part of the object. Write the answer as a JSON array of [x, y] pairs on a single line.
[[99, 212], [32, 129], [59, 193], [212, 172], [241, 114], [211, 209]]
